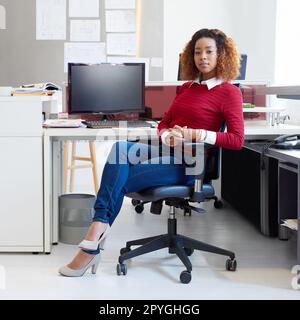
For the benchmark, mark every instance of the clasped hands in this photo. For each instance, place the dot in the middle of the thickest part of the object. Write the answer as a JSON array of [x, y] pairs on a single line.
[[178, 134]]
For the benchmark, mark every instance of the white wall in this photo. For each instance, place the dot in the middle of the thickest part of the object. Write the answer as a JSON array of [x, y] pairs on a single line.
[[254, 30], [287, 63], [251, 23], [287, 42]]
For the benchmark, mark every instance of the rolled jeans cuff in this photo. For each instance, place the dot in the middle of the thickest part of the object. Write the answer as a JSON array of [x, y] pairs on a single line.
[[92, 251], [98, 218]]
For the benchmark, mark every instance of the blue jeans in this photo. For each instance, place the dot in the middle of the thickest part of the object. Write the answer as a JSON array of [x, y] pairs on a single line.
[[132, 167]]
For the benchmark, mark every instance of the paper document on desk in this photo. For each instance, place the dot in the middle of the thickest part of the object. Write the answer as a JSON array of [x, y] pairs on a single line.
[[63, 123], [39, 86], [36, 89], [291, 223]]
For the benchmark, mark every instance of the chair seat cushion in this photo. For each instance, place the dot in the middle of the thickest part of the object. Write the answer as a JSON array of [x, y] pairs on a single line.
[[158, 193]]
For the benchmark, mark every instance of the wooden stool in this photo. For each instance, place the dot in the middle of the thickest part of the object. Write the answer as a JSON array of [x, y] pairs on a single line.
[[73, 165]]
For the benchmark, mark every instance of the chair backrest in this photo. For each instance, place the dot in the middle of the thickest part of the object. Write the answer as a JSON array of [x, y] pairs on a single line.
[[243, 68], [212, 165]]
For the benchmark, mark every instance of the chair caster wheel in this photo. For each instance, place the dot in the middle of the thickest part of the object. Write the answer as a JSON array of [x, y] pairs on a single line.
[[189, 251], [124, 250], [121, 269], [187, 212], [135, 202], [139, 208], [218, 204], [231, 265], [185, 276]]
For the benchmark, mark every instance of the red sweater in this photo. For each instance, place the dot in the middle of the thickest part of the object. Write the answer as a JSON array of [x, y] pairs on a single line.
[[199, 108]]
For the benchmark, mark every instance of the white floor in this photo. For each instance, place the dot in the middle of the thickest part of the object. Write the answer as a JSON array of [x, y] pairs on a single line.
[[264, 264]]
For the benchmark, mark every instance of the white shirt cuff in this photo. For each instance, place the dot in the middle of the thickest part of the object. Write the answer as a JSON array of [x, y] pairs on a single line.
[[211, 137], [163, 136]]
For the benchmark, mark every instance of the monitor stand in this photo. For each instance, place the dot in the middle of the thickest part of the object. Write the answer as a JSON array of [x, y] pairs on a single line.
[[105, 117]]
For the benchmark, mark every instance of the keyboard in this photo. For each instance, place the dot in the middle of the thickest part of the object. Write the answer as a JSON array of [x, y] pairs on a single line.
[[101, 124]]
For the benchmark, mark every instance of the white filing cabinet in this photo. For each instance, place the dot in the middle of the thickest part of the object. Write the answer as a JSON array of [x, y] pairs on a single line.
[[21, 174]]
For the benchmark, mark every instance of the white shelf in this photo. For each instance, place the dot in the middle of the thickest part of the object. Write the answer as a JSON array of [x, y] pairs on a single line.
[[28, 98], [264, 109], [259, 130], [279, 90]]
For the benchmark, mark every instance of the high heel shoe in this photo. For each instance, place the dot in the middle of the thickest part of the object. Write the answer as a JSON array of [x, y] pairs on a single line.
[[93, 245], [68, 272]]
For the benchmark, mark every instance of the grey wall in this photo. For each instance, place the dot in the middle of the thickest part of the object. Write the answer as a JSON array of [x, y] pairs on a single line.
[[23, 59], [152, 33]]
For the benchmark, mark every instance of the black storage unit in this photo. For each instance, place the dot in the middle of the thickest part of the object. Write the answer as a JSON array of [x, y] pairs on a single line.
[[251, 189], [288, 200]]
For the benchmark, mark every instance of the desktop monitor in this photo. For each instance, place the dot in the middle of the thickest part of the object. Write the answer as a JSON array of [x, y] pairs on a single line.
[[243, 67], [106, 88]]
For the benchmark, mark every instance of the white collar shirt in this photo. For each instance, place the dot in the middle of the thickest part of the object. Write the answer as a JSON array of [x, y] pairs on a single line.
[[211, 83]]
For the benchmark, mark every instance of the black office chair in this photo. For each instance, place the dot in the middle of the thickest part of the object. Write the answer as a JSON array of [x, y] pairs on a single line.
[[212, 172], [179, 196]]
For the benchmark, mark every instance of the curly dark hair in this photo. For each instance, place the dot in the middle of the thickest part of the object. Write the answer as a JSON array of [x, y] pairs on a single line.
[[228, 63]]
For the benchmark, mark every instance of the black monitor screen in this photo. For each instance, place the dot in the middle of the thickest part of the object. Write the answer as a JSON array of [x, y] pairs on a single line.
[[106, 88], [243, 67]]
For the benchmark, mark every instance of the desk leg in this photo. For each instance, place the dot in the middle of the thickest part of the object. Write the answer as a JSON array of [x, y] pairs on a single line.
[[277, 118], [47, 194], [298, 214], [272, 119], [264, 203], [57, 174]]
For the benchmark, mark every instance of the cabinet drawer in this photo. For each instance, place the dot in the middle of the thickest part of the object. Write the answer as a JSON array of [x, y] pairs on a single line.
[[21, 192], [21, 117]]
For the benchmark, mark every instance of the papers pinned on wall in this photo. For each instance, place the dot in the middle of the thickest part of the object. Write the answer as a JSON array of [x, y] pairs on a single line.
[[122, 44], [86, 8], [85, 30], [119, 4], [120, 21], [157, 62], [84, 53], [36, 89], [51, 19]]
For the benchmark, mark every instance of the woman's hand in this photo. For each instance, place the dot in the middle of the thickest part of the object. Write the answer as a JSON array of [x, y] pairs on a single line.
[[188, 134], [177, 134], [174, 137], [193, 135]]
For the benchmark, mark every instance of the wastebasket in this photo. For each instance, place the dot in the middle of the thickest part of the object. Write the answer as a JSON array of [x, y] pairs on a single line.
[[75, 216]]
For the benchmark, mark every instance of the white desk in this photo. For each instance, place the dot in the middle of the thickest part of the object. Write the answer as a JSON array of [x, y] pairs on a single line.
[[259, 130], [53, 170], [273, 113]]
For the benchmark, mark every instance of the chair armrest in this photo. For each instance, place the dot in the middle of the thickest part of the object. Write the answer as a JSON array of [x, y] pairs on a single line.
[[195, 153]]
